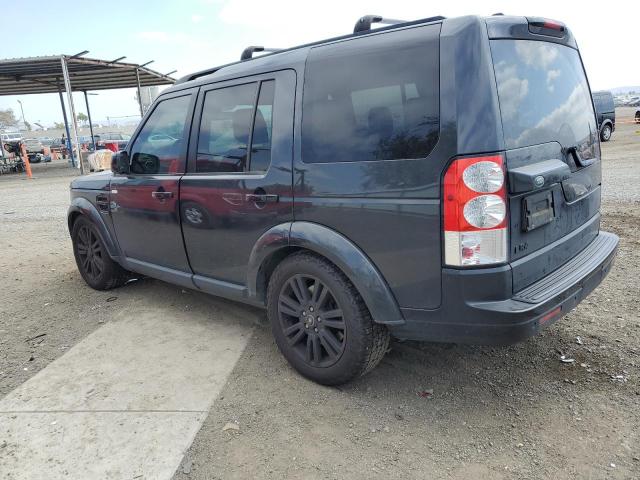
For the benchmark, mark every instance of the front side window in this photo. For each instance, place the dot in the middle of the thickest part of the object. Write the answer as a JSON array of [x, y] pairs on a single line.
[[230, 123], [374, 98], [159, 148]]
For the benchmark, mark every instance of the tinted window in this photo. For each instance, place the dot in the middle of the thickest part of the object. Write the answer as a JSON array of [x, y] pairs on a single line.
[[159, 148], [603, 101], [373, 98], [543, 95], [261, 138], [226, 129]]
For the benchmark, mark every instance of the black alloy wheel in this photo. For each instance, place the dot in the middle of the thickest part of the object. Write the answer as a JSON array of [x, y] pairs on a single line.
[[320, 322], [97, 268], [90, 253], [312, 320]]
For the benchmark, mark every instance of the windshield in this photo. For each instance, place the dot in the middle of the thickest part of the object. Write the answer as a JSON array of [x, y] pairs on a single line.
[[544, 95]]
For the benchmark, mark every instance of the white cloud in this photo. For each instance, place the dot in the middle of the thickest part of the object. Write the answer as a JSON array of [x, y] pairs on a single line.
[[195, 18], [570, 122], [551, 76], [512, 89], [537, 54]]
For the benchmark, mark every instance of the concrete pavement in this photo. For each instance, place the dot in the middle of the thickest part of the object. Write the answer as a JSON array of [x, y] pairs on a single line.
[[126, 402]]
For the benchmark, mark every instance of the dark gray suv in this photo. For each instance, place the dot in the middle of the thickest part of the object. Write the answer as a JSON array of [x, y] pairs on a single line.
[[431, 180]]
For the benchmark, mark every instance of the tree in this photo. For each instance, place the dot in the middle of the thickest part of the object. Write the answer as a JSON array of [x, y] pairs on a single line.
[[7, 118], [27, 125], [82, 117], [58, 125]]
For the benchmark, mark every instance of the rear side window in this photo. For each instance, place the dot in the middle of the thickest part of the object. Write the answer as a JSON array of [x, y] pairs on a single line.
[[230, 122], [373, 98]]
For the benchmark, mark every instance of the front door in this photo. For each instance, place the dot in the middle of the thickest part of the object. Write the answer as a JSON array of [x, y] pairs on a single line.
[[238, 183], [144, 203]]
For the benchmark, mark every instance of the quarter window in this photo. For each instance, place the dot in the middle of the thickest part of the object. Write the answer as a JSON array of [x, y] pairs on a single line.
[[373, 98], [159, 148], [262, 127], [230, 122]]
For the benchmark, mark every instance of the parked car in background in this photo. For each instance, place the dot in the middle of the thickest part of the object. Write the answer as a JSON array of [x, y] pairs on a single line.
[[637, 116], [343, 188], [605, 113], [112, 141], [34, 148]]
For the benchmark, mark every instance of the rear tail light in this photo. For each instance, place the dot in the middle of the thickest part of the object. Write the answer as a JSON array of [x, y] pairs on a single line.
[[475, 212]]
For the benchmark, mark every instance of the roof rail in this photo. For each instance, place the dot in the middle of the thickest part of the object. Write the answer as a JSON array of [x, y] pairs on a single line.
[[248, 52], [364, 23], [198, 74]]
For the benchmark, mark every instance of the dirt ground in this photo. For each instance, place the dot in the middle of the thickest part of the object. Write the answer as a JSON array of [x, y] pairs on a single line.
[[428, 411]]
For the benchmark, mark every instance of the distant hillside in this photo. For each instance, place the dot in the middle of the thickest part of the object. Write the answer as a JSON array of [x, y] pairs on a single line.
[[624, 90]]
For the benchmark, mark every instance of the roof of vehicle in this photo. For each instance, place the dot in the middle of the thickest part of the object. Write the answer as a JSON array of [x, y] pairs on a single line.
[[498, 25], [284, 57]]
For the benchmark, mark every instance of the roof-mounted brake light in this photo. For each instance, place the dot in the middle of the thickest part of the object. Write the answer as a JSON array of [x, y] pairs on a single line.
[[544, 26]]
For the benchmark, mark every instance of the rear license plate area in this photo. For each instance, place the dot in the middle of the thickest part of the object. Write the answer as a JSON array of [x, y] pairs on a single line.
[[537, 210]]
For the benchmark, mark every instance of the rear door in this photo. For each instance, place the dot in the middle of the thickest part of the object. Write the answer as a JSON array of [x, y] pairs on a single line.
[[144, 203], [239, 177], [553, 154]]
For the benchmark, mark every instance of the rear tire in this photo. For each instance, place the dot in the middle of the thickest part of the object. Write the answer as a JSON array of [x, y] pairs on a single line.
[[605, 133], [320, 323], [94, 263]]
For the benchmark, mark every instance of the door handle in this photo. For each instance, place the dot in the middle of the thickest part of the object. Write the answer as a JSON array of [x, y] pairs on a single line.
[[262, 198], [161, 195]]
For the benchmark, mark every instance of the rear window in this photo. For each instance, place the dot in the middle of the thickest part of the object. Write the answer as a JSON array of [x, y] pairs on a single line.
[[544, 95], [373, 98], [603, 101]]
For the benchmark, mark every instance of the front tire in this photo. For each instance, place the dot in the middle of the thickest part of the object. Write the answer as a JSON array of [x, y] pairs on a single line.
[[320, 323], [605, 133], [94, 263], [638, 116]]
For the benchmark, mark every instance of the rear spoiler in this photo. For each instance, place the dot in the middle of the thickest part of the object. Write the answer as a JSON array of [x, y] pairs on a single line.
[[529, 28]]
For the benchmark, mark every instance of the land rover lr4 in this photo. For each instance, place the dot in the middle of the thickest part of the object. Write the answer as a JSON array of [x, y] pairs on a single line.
[[432, 180]]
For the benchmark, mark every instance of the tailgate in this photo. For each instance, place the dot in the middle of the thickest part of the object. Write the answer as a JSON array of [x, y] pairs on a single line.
[[552, 154]]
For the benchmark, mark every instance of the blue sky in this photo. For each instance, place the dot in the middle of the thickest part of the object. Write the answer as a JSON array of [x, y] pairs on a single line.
[[189, 35]]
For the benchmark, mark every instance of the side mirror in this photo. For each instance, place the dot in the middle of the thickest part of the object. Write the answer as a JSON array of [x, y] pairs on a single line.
[[120, 163]]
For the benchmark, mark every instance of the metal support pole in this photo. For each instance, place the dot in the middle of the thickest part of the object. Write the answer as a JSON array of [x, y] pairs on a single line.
[[139, 93], [86, 101], [72, 110], [66, 124]]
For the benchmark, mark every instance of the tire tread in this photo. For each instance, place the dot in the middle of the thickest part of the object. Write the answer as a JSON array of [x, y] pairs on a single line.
[[375, 336]]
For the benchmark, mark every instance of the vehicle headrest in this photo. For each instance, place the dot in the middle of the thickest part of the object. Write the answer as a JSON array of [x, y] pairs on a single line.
[[242, 124]]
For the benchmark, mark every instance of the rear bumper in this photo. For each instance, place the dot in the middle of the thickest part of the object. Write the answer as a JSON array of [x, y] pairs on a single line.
[[470, 313]]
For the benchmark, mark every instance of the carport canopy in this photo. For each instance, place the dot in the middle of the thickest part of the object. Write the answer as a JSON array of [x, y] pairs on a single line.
[[51, 74]]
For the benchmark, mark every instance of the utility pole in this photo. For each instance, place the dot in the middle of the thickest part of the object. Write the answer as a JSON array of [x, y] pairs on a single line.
[[24, 120]]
